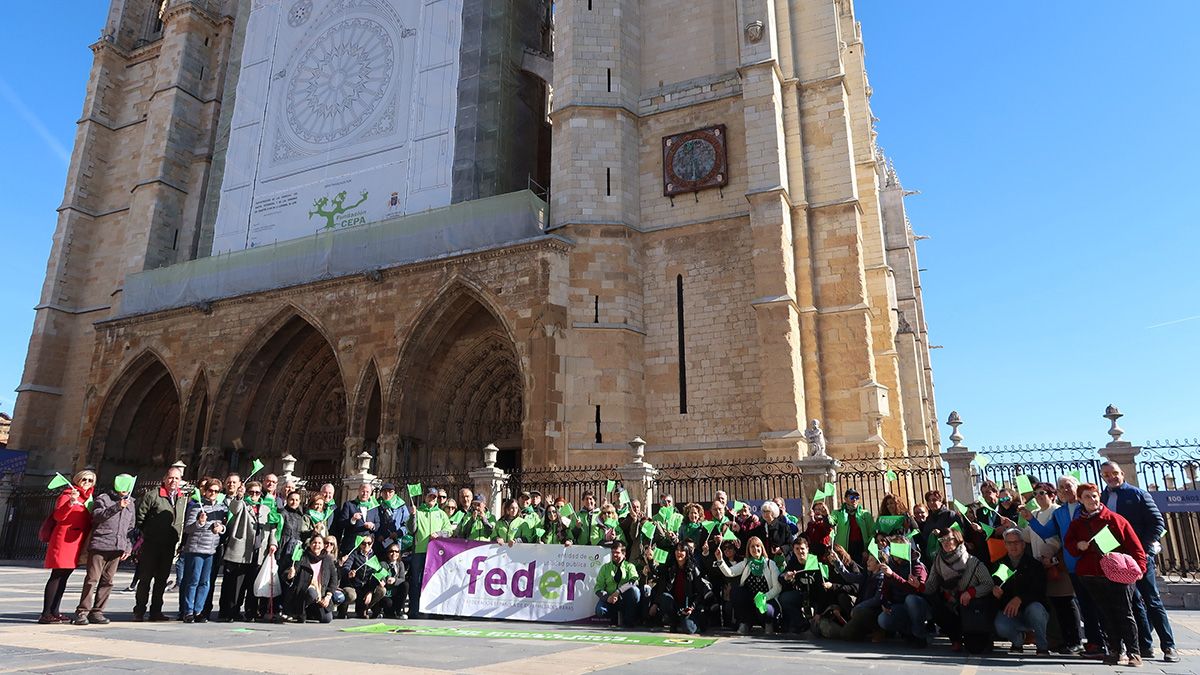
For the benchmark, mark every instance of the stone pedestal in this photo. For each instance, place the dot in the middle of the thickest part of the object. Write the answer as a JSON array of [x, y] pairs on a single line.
[[815, 472], [1123, 454], [489, 481], [638, 479], [352, 448], [962, 483], [364, 476]]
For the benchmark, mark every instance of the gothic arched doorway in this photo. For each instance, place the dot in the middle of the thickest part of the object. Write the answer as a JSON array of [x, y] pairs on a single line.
[[284, 394], [138, 426], [459, 387]]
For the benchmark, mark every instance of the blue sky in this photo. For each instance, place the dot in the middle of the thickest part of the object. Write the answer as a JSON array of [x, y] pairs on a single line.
[[1053, 145]]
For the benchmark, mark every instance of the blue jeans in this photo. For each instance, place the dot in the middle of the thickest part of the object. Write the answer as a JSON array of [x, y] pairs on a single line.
[[898, 618], [1032, 617], [626, 605], [671, 617], [1148, 610], [918, 611], [793, 605], [197, 573], [416, 575]]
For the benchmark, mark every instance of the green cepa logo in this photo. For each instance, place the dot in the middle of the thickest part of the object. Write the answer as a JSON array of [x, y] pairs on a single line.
[[338, 208]]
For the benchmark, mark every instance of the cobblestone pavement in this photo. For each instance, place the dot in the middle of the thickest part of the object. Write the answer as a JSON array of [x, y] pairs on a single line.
[[123, 647]]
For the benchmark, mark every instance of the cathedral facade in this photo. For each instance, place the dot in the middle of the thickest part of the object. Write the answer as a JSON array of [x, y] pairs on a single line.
[[591, 221]]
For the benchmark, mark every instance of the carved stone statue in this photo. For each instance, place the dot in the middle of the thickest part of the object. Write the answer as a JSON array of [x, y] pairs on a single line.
[[816, 439]]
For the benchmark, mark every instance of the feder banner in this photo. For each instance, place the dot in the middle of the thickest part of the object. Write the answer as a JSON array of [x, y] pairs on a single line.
[[525, 582]]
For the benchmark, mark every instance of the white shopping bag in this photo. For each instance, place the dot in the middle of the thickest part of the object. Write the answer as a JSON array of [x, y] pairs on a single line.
[[266, 584]]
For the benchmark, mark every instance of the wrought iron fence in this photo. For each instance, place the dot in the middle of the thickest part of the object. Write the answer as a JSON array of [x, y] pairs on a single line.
[[568, 482], [1169, 466], [28, 508], [906, 478], [742, 480]]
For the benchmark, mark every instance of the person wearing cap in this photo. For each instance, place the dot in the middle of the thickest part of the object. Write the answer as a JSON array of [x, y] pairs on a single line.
[[113, 515], [537, 503], [853, 526], [525, 504], [478, 523], [429, 522], [393, 519], [356, 518]]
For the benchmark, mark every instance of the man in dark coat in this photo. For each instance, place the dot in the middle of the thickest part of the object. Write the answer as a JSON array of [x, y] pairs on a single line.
[[160, 519]]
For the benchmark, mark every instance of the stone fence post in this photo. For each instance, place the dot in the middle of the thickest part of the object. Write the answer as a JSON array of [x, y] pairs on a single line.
[[638, 476], [1122, 453], [816, 468], [959, 457], [363, 477], [489, 480]]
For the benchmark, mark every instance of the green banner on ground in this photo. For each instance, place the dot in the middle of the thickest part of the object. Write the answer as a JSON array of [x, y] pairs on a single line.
[[547, 635]]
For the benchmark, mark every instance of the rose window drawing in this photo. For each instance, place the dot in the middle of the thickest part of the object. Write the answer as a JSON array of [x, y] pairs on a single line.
[[340, 80]]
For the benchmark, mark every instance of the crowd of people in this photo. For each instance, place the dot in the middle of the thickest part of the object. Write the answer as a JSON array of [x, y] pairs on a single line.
[[1070, 570]]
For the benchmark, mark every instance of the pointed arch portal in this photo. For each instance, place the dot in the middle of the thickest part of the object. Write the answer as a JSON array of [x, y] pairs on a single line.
[[459, 387], [285, 394], [138, 427]]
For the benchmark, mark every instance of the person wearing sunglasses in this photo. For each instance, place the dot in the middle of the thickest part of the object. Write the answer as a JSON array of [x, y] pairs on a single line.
[[853, 525], [1048, 551], [72, 521], [248, 541], [204, 524]]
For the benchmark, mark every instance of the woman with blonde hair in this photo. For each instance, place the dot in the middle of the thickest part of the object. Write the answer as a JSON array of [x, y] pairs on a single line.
[[72, 522], [759, 575]]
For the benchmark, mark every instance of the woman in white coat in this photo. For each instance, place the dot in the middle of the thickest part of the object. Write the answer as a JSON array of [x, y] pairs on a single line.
[[759, 586]]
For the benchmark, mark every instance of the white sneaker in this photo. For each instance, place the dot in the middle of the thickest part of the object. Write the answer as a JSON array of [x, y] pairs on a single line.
[[743, 629]]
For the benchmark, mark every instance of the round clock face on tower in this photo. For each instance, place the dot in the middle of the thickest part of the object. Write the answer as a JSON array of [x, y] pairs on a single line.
[[694, 161]]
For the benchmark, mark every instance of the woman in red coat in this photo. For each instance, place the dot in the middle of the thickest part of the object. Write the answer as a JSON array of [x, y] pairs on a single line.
[[72, 522], [1113, 600]]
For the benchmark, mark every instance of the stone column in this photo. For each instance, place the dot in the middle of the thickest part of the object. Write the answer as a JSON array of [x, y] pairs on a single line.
[[289, 476], [638, 476], [1122, 453], [815, 472], [488, 480], [363, 476], [962, 482]]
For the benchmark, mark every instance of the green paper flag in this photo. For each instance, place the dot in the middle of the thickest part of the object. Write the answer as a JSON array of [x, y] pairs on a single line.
[[901, 551], [709, 525], [660, 555], [124, 483], [648, 530], [196, 495], [982, 461], [1078, 474], [1106, 541], [540, 532], [873, 549], [1003, 573], [358, 540], [373, 563], [676, 522], [1032, 505], [609, 486], [1023, 484], [889, 524], [58, 481], [297, 554], [414, 489], [567, 510], [830, 489], [665, 513], [737, 507], [729, 536], [382, 575], [824, 571], [760, 601], [987, 529], [960, 506], [88, 504], [820, 494], [913, 533], [255, 467], [811, 563], [956, 526], [890, 476], [611, 522], [623, 497]]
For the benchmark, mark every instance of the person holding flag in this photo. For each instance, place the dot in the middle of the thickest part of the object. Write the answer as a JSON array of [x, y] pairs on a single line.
[[249, 539], [902, 580], [314, 580], [1097, 532], [679, 593], [393, 519], [113, 517], [203, 523], [478, 524], [853, 526], [759, 585], [587, 533], [957, 593], [1021, 594], [803, 585], [618, 589], [429, 522], [72, 520], [359, 581], [356, 518]]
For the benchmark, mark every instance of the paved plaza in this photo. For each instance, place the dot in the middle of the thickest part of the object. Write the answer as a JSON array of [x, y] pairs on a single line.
[[123, 647]]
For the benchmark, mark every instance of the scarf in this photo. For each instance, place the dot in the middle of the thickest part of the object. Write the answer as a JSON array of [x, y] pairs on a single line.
[[757, 566], [952, 564]]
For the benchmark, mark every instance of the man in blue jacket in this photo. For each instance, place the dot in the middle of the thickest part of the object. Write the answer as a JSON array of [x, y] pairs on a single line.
[[356, 518], [1138, 507]]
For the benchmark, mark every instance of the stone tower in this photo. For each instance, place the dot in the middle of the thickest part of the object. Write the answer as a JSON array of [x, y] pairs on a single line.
[[137, 179]]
